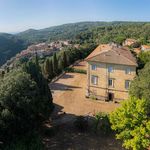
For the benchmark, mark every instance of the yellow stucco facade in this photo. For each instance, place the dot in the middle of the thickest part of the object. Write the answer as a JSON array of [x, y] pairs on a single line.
[[109, 85]]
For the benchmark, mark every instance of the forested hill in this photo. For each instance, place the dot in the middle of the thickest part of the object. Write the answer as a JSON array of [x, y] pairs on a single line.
[[66, 31], [82, 32], [9, 46], [117, 33]]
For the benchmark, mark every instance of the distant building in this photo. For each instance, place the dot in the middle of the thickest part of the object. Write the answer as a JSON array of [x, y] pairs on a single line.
[[129, 42], [145, 47], [137, 50], [110, 69]]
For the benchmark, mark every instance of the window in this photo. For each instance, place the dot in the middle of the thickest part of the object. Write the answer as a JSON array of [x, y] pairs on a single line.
[[111, 82], [128, 70], [127, 84], [110, 69], [94, 67], [94, 79]]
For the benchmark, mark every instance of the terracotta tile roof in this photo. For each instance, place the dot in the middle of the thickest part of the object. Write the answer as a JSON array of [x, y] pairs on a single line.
[[111, 54], [137, 50], [131, 40], [99, 49], [146, 46]]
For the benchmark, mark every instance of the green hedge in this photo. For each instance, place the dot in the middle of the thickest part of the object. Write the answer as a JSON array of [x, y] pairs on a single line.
[[70, 69]]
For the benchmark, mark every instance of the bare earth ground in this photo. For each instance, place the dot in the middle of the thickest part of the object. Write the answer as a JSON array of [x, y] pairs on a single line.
[[69, 93], [70, 139], [69, 97]]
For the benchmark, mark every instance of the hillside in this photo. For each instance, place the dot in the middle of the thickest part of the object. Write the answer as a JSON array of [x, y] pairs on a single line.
[[82, 32], [66, 31], [9, 46], [117, 33]]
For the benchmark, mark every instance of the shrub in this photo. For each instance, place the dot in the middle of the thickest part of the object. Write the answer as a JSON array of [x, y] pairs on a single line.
[[70, 69], [102, 123], [132, 124]]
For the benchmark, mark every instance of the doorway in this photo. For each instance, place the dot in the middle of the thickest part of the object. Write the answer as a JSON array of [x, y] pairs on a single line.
[[110, 96]]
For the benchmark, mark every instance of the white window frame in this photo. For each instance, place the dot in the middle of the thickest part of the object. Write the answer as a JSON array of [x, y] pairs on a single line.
[[93, 67], [127, 81], [128, 70], [112, 82], [110, 69], [94, 80]]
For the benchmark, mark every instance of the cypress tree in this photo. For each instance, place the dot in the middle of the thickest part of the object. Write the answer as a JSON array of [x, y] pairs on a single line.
[[64, 61], [48, 69], [33, 68], [55, 64], [2, 73]]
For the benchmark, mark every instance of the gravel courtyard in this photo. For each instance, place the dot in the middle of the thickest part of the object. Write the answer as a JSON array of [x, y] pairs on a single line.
[[69, 93]]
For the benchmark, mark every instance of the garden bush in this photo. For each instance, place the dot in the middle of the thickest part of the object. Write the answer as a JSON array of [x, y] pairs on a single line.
[[102, 124]]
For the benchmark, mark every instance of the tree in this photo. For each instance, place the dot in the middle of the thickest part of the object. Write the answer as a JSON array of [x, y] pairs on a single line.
[[24, 102], [18, 108], [63, 61], [140, 86], [55, 64], [2, 73], [143, 58], [132, 124], [48, 68], [119, 39], [33, 68]]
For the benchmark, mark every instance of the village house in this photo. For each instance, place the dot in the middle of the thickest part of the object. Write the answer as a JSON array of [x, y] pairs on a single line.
[[137, 51], [129, 42], [110, 69], [145, 47]]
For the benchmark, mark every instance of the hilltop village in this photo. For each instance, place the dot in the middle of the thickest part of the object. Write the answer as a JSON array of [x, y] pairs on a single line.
[[42, 50]]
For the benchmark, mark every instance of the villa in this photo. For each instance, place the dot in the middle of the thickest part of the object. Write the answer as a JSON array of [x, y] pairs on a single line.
[[110, 69]]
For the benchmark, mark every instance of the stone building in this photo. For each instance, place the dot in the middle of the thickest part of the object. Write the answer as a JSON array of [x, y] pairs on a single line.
[[129, 42]]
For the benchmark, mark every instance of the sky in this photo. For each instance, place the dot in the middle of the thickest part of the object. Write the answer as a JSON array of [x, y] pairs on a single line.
[[20, 15]]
